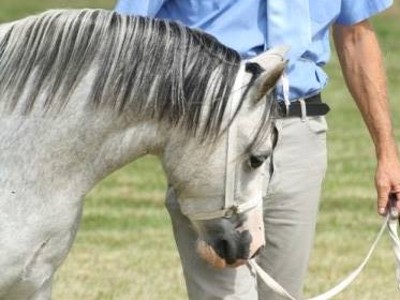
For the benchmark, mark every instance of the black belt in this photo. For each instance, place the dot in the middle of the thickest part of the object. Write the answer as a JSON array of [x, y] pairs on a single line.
[[313, 107]]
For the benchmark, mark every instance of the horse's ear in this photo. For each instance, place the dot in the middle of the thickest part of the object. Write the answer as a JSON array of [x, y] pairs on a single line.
[[271, 65]]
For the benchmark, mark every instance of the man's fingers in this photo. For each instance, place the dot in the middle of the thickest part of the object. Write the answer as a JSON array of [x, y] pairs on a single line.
[[393, 206], [387, 181], [396, 191], [383, 198], [396, 195]]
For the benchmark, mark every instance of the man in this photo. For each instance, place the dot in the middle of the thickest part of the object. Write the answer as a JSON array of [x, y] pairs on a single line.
[[297, 166]]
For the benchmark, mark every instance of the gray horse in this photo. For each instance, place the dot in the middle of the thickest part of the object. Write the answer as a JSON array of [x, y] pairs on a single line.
[[83, 93]]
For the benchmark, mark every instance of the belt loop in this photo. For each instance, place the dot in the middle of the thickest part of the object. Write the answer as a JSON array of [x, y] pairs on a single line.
[[285, 89], [303, 109]]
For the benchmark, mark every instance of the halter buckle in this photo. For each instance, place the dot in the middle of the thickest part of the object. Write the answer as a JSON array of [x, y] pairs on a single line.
[[231, 211]]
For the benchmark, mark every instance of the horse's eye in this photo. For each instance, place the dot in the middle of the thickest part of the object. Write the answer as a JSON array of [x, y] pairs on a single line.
[[256, 161]]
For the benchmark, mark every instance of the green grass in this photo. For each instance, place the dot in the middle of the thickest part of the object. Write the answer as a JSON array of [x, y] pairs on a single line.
[[13, 9], [125, 248]]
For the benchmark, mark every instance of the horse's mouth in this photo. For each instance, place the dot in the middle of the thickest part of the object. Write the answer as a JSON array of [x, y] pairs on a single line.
[[207, 253]]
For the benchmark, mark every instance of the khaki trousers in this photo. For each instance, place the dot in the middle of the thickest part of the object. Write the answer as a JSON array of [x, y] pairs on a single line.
[[296, 168]]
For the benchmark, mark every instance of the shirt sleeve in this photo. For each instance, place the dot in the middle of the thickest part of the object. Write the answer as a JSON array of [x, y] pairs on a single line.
[[139, 7], [354, 11]]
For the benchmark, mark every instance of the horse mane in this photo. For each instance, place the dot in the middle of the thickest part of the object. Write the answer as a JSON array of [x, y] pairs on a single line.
[[155, 67]]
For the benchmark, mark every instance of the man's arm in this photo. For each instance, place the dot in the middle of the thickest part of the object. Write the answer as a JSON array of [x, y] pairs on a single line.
[[362, 66]]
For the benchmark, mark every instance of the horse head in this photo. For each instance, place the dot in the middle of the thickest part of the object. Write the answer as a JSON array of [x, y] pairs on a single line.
[[220, 184]]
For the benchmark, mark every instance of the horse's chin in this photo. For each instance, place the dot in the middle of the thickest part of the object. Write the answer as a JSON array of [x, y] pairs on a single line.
[[207, 253]]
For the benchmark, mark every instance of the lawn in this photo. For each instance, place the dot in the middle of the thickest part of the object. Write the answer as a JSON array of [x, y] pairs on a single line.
[[125, 248]]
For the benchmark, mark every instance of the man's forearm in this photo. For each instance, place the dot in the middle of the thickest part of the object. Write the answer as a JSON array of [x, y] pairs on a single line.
[[362, 66]]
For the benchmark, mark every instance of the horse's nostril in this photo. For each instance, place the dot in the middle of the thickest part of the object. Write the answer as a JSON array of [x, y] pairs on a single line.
[[226, 249], [258, 252]]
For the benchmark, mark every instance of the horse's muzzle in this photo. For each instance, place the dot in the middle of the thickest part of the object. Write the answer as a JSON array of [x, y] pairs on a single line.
[[228, 244], [222, 256]]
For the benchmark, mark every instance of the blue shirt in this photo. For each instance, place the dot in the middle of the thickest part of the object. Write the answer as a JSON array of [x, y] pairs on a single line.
[[252, 26]]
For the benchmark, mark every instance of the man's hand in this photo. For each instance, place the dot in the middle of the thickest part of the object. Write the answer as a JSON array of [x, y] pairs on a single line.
[[387, 181]]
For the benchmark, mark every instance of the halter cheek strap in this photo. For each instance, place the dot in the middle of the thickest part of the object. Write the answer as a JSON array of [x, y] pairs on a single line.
[[231, 205]]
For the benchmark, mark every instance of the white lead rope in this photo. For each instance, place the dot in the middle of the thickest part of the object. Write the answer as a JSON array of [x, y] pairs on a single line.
[[389, 223], [394, 237]]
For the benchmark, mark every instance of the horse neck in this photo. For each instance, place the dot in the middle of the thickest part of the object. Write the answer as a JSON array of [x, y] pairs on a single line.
[[4, 28], [70, 153]]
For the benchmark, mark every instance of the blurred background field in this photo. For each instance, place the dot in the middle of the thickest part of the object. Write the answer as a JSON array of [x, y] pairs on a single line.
[[125, 249]]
